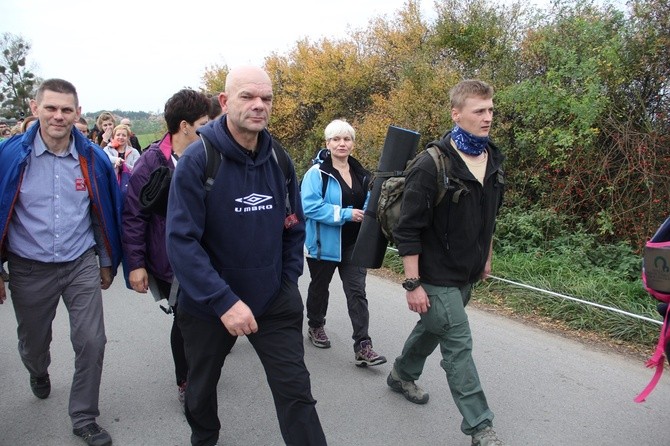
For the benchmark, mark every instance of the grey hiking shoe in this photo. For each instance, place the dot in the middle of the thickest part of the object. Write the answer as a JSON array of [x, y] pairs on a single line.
[[409, 389], [318, 337], [93, 435], [366, 356], [486, 437]]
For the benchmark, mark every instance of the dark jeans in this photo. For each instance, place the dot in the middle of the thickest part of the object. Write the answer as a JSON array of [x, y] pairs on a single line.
[[353, 282], [279, 345]]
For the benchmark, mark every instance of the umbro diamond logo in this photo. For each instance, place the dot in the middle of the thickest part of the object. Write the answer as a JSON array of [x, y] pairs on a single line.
[[253, 199], [254, 202]]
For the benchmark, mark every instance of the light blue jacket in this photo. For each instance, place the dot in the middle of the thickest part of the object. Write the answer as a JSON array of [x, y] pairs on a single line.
[[325, 215]]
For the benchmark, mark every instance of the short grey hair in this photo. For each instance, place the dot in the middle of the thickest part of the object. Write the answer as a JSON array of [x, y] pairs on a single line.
[[339, 127]]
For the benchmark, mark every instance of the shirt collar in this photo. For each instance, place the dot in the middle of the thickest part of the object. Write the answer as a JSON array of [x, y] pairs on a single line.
[[41, 147]]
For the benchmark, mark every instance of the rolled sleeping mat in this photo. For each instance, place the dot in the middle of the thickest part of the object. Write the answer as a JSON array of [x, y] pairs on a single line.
[[400, 146]]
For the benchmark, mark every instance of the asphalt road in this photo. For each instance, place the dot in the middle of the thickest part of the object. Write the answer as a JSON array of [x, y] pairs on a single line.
[[544, 389]]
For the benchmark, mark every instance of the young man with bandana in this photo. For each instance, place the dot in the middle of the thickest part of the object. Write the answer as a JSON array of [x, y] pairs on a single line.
[[446, 249]]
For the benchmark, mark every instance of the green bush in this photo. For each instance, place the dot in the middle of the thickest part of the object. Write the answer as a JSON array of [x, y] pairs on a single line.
[[520, 230], [543, 231]]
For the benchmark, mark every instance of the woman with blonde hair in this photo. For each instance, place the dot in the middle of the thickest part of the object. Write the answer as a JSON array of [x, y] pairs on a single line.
[[122, 155]]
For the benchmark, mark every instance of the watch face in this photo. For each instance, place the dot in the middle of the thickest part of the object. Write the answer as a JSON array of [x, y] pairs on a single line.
[[411, 285]]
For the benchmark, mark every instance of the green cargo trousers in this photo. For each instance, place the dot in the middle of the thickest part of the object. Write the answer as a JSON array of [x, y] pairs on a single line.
[[446, 324]]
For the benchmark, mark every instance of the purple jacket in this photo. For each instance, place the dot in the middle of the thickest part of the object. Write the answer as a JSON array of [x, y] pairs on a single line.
[[144, 233]]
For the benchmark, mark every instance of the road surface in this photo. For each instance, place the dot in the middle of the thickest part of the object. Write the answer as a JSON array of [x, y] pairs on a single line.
[[544, 389]]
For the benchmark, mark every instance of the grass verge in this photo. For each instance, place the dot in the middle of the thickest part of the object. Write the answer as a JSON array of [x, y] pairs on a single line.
[[555, 274]]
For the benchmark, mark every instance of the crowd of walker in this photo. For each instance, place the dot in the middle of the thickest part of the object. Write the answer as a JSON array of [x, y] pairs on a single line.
[[73, 206]]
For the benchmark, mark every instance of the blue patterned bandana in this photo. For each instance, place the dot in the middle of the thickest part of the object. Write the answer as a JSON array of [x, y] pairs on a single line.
[[467, 142]]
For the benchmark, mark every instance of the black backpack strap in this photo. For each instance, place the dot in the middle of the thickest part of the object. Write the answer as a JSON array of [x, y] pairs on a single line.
[[281, 157], [324, 184], [213, 161]]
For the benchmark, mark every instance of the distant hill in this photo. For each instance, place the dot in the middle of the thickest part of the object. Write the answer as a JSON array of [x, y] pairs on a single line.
[[142, 122]]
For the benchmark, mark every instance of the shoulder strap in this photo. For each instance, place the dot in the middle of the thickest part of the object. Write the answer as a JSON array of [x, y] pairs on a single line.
[[281, 157], [442, 178], [213, 161], [443, 164]]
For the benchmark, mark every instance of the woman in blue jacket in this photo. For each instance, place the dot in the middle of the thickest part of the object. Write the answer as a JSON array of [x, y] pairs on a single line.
[[334, 194]]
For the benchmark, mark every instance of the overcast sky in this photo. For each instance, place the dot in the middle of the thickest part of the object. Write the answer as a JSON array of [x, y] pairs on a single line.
[[133, 55]]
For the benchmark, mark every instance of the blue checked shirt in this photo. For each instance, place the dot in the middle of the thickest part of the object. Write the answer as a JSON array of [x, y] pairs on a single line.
[[52, 221]]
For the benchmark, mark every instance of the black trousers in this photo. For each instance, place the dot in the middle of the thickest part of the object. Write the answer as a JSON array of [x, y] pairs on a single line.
[[279, 346], [176, 339], [353, 283]]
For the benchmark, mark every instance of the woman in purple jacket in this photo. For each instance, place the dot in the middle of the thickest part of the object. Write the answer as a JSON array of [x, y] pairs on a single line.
[[144, 231]]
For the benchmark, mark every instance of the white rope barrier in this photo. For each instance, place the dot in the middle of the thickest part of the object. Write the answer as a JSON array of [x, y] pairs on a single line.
[[581, 301], [574, 299]]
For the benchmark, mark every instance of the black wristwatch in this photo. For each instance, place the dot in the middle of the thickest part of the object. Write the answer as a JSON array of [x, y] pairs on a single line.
[[411, 284]]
